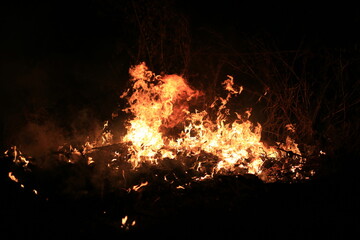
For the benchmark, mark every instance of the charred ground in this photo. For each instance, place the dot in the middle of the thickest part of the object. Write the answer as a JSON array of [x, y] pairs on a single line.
[[70, 203], [64, 199]]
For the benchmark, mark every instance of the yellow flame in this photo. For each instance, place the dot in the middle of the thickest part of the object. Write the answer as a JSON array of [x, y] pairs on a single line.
[[161, 103], [124, 220], [152, 104]]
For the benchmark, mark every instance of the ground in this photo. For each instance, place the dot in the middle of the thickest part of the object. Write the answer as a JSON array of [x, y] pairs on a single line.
[[226, 206]]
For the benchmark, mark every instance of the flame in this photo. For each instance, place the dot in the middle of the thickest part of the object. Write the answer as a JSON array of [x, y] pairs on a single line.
[[159, 103], [156, 102], [124, 220], [90, 160], [164, 125]]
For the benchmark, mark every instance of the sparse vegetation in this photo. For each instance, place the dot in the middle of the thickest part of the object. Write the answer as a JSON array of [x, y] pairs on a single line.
[[308, 87], [316, 89]]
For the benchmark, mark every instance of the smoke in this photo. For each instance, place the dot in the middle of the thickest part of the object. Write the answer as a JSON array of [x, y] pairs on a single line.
[[39, 138]]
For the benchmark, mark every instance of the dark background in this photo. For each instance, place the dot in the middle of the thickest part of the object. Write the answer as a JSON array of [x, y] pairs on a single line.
[[64, 63]]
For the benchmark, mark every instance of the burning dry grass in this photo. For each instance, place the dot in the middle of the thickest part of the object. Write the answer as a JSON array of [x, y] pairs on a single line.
[[165, 132], [316, 91], [170, 149], [167, 143], [159, 103], [111, 198]]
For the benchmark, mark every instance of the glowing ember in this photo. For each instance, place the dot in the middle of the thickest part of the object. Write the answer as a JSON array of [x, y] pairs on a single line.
[[12, 177], [137, 187], [126, 224]]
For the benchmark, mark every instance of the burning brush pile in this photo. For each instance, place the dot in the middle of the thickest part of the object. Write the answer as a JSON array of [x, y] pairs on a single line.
[[172, 144]]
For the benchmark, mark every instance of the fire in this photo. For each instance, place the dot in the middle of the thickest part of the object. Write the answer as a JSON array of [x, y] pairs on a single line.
[[164, 124], [156, 102], [164, 127], [159, 103]]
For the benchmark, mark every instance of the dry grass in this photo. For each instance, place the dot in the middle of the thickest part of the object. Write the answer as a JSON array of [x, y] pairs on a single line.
[[315, 89]]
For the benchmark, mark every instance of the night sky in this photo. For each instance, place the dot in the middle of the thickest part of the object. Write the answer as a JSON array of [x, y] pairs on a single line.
[[66, 62]]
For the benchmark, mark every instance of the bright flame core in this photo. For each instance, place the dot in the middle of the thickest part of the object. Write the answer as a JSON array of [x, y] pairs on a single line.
[[158, 103]]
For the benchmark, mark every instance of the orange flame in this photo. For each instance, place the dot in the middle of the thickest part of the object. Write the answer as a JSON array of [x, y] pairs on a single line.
[[162, 102], [152, 104]]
